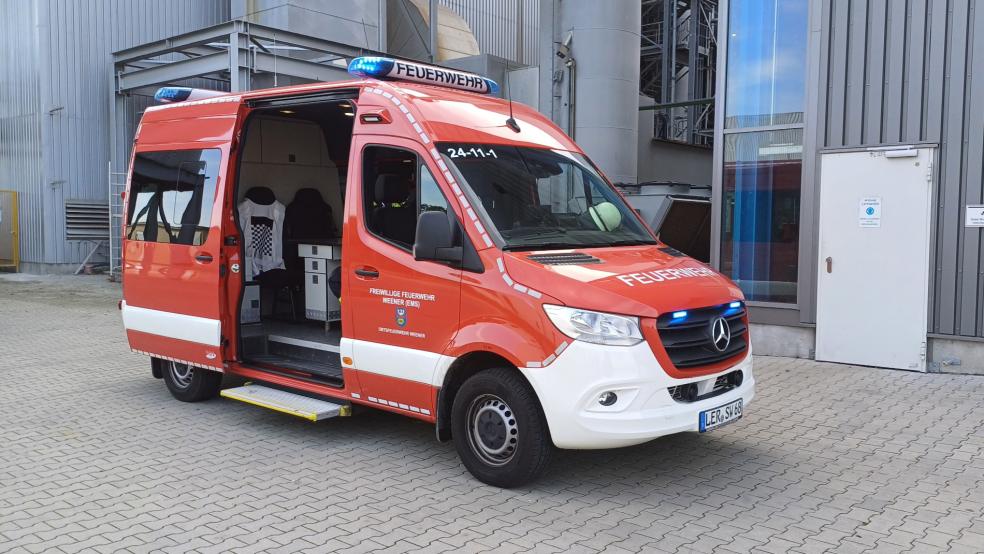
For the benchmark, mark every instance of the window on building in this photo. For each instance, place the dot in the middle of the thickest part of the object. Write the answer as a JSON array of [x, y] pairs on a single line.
[[766, 71], [761, 208], [171, 195], [391, 195]]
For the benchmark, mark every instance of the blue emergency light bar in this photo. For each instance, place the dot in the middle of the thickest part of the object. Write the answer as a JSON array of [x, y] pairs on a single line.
[[400, 70], [181, 94]]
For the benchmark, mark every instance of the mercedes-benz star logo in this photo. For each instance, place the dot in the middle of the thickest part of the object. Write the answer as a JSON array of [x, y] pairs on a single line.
[[721, 334]]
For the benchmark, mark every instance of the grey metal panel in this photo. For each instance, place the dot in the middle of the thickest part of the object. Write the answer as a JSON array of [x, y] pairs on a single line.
[[20, 120], [970, 322], [813, 135], [875, 71], [951, 157], [892, 93], [55, 74], [837, 73], [912, 128], [855, 78], [505, 28], [930, 57]]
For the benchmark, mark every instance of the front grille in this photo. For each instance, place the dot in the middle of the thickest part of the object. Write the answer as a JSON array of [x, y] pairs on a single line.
[[572, 258], [688, 341]]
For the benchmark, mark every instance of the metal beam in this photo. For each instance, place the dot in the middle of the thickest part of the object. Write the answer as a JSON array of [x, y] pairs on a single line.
[[221, 32], [669, 51], [262, 32], [298, 68], [681, 104], [215, 33], [433, 13], [238, 62], [173, 72]]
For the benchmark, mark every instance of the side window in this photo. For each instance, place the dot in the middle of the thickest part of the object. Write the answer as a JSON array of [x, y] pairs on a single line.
[[171, 195], [389, 190], [431, 197], [396, 187]]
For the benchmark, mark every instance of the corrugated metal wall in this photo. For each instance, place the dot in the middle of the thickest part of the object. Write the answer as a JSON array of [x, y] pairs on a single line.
[[62, 52], [901, 71], [505, 28], [20, 118]]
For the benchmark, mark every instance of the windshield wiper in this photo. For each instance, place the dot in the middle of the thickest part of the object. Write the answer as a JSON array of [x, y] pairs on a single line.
[[542, 246], [527, 231], [630, 242]]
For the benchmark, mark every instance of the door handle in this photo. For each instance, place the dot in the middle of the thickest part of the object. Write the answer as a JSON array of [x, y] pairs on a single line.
[[367, 273], [204, 258], [830, 264]]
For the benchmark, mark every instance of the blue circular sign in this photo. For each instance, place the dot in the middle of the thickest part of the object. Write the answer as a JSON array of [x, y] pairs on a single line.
[[870, 211]]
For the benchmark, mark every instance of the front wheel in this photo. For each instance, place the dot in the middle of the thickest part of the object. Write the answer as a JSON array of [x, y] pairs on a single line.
[[188, 383], [499, 430]]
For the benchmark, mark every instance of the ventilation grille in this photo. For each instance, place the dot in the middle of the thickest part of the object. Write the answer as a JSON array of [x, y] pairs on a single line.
[[672, 252], [572, 258], [86, 221]]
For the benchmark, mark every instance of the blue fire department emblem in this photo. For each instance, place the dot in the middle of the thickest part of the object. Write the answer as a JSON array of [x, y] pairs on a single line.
[[401, 317]]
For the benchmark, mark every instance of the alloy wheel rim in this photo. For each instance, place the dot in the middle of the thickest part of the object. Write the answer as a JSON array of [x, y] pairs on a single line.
[[182, 374]]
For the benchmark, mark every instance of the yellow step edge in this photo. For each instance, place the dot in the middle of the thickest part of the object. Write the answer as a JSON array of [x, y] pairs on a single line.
[[277, 408]]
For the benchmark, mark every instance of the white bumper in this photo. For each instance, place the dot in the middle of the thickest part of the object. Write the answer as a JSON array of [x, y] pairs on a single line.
[[569, 388]]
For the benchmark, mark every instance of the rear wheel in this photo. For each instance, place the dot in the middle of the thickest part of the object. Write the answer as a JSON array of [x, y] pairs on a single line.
[[499, 430], [188, 383]]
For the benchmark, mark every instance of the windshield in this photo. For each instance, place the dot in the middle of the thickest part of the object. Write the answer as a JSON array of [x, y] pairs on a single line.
[[537, 198]]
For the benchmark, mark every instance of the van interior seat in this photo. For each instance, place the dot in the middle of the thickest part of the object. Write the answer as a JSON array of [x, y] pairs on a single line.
[[395, 216], [309, 216], [261, 195]]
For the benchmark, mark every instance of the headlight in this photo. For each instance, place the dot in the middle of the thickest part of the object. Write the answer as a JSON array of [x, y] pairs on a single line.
[[596, 327]]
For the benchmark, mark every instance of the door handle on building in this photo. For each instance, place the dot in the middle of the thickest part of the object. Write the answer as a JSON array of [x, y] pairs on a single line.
[[830, 264]]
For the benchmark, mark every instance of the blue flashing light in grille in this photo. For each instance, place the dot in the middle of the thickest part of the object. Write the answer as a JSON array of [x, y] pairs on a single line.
[[734, 305], [679, 315], [400, 70]]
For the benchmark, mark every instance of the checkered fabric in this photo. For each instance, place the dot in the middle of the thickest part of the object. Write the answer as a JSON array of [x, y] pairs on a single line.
[[261, 233]]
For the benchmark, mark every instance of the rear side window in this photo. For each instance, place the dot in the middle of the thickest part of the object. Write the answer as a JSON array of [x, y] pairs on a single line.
[[171, 195]]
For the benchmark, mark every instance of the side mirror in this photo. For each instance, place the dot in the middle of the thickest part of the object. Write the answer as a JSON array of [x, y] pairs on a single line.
[[435, 238]]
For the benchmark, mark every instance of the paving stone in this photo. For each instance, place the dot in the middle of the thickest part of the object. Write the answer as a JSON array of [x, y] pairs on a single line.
[[97, 456]]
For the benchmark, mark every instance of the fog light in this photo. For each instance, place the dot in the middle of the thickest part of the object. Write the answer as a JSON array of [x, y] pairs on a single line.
[[607, 398], [736, 378]]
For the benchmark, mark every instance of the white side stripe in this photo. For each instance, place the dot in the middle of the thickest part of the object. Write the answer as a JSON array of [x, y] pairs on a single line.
[[173, 325]]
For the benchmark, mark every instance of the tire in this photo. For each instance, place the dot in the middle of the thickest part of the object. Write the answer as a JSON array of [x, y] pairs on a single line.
[[499, 429], [188, 383]]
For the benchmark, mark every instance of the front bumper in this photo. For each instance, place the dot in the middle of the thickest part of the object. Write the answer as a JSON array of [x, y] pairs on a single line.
[[569, 388]]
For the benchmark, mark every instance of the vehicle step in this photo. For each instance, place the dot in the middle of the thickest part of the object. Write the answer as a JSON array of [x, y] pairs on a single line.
[[287, 402]]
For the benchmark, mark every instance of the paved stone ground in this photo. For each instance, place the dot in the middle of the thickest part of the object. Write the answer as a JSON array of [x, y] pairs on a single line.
[[96, 456]]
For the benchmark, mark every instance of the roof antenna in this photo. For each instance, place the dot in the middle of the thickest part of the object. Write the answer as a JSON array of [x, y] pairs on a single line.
[[511, 123]]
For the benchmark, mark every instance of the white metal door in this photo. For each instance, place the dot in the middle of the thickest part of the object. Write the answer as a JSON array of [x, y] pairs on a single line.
[[873, 283]]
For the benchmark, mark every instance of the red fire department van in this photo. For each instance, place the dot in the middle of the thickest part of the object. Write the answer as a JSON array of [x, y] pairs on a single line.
[[408, 242]]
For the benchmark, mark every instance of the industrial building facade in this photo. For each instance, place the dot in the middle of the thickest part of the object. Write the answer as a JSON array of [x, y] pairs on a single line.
[[789, 114], [807, 82]]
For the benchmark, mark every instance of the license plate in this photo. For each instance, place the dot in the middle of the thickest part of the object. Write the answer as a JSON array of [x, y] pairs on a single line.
[[722, 415]]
